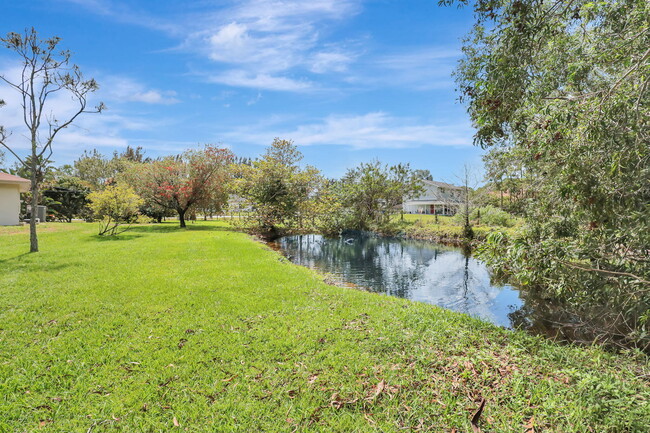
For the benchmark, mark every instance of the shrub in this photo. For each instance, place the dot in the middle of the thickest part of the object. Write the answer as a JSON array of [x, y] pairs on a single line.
[[114, 206], [489, 215]]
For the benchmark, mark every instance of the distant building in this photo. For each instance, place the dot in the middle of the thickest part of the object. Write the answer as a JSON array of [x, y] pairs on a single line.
[[438, 198], [10, 188], [238, 204]]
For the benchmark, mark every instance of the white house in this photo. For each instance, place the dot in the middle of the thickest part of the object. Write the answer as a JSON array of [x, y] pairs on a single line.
[[10, 188], [438, 198]]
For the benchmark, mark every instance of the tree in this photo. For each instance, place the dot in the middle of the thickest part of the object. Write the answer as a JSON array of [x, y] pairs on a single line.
[[468, 232], [116, 205], [277, 188], [68, 197], [371, 193], [45, 71], [95, 168], [423, 174], [3, 136], [561, 90], [183, 182]]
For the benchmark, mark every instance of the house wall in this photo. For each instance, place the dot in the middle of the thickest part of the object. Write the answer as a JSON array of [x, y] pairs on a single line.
[[448, 210], [9, 205], [446, 198], [431, 192]]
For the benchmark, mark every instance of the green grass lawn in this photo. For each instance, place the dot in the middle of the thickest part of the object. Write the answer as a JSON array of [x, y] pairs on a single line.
[[202, 330]]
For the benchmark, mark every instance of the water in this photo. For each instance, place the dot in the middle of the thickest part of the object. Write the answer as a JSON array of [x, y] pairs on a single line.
[[420, 271]]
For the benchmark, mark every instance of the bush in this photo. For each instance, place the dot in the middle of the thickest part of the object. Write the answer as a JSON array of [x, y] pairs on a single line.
[[114, 206], [490, 215]]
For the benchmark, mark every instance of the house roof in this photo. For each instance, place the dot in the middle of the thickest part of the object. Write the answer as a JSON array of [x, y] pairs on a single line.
[[441, 184], [23, 184]]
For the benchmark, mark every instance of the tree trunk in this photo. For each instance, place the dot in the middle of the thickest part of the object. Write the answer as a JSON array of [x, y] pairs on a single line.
[[181, 217], [33, 238]]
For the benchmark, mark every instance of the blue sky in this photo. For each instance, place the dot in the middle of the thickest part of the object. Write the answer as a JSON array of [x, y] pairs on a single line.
[[347, 80]]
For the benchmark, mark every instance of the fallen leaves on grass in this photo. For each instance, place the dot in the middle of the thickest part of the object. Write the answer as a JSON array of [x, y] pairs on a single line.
[[477, 416], [378, 390], [529, 427], [337, 402]]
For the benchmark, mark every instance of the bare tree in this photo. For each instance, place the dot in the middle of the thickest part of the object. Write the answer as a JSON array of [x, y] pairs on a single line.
[[468, 180], [45, 71]]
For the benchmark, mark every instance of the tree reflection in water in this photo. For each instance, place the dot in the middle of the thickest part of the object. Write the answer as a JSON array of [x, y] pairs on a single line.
[[420, 271]]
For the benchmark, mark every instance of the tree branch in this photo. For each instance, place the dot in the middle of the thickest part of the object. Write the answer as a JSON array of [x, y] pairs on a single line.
[[604, 271]]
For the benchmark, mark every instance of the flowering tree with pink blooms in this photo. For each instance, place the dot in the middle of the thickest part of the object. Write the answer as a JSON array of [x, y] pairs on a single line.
[[186, 181]]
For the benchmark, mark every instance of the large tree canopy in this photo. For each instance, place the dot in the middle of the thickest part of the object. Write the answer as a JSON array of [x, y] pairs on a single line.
[[560, 89], [183, 182]]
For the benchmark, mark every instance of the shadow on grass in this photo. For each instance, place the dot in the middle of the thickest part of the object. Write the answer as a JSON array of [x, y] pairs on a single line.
[[14, 259], [22, 262], [175, 227], [120, 237]]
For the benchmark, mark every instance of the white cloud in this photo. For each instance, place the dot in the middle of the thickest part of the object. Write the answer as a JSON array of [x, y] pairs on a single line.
[[154, 97], [417, 68], [265, 44], [123, 89], [324, 62], [241, 78], [255, 100], [367, 131], [418, 58], [126, 13], [276, 45], [106, 130]]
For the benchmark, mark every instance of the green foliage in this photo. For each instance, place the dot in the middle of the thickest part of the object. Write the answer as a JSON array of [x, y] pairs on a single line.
[[67, 195], [370, 194], [115, 205], [423, 174], [99, 170], [560, 94], [489, 215], [279, 192], [493, 216], [468, 232], [196, 179], [154, 211]]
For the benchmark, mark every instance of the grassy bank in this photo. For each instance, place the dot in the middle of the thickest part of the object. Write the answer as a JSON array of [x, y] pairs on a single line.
[[162, 329], [444, 230]]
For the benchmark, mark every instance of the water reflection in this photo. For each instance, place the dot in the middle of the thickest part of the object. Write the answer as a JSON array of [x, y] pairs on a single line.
[[420, 271]]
